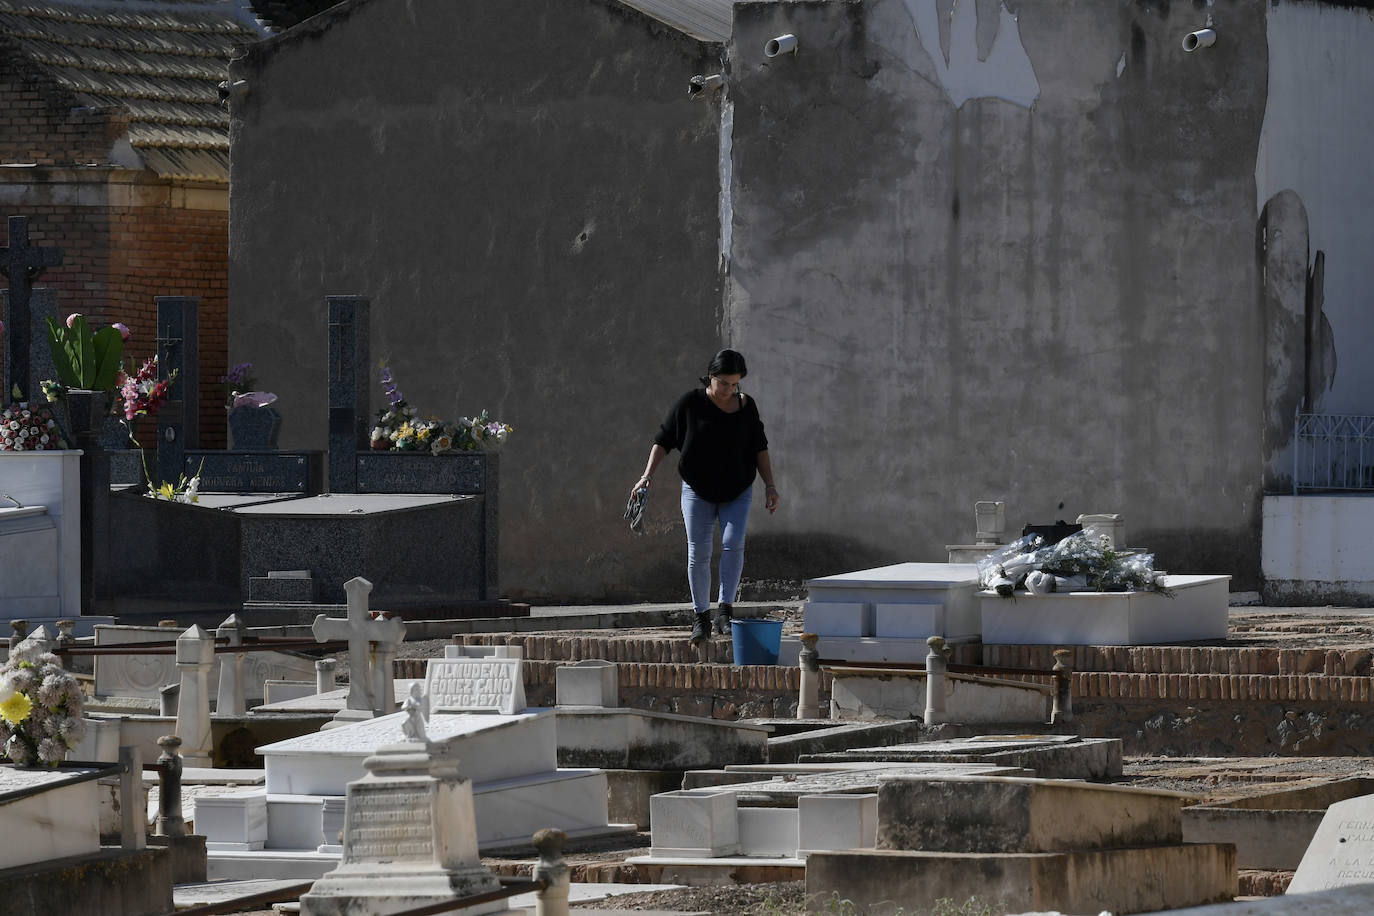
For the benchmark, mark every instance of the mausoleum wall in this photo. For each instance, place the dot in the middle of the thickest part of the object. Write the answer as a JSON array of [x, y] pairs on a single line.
[[530, 200]]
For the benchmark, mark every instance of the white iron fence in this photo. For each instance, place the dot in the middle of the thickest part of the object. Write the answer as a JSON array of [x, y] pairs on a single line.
[[1333, 452]]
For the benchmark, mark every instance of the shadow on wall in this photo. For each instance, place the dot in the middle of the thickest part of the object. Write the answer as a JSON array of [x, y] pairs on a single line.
[[1220, 551], [1300, 353]]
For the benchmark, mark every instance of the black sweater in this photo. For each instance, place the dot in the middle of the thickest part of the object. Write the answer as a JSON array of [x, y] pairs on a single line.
[[720, 451]]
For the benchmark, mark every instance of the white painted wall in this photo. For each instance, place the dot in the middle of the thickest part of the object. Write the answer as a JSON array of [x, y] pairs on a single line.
[[1316, 140], [1319, 539]]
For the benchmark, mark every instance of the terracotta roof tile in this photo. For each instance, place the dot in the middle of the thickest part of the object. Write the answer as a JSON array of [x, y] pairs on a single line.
[[160, 61]]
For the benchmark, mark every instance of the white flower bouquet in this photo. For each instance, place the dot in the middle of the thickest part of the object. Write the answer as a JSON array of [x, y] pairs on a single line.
[[40, 707], [1077, 563]]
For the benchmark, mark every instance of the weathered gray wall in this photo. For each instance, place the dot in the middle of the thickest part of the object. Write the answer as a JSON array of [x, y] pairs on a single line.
[[977, 249], [527, 195], [997, 257]]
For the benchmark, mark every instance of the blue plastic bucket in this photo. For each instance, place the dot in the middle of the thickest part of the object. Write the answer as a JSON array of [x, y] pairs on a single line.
[[756, 641]]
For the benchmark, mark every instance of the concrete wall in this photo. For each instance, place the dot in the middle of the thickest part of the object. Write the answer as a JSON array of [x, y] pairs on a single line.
[[1317, 549], [529, 198], [1030, 251], [1003, 257]]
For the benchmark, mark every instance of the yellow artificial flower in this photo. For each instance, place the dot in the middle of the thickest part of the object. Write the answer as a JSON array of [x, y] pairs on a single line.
[[16, 709]]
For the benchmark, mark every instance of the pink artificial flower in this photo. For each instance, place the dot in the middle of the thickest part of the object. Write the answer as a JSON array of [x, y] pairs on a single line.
[[71, 319], [122, 328], [2, 327]]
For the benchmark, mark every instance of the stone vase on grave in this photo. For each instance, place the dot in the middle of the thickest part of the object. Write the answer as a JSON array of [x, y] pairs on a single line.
[[86, 417], [253, 429]]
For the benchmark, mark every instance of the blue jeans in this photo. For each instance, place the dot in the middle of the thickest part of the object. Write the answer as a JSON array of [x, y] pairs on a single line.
[[701, 517]]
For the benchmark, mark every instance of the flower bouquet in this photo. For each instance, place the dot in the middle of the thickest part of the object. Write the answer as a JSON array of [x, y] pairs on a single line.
[[1077, 563], [40, 707], [29, 427], [400, 428]]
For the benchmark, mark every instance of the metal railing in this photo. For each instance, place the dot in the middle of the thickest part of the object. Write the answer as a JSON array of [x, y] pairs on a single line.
[[1333, 452]]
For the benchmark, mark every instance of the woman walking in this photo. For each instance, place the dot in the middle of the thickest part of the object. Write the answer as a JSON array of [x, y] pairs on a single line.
[[718, 430]]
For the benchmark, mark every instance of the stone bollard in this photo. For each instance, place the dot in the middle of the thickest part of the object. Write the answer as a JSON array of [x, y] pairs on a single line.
[[553, 899], [21, 630], [936, 668], [132, 829], [324, 675], [1062, 712], [229, 699], [195, 655], [169, 819], [809, 703]]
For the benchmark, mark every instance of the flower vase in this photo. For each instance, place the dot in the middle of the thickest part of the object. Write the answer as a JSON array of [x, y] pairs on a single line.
[[86, 417]]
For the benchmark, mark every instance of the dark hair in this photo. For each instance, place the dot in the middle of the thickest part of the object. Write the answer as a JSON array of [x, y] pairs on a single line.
[[726, 362]]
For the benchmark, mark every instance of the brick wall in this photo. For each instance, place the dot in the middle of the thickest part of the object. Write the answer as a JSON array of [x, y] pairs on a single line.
[[124, 238], [41, 123], [117, 259]]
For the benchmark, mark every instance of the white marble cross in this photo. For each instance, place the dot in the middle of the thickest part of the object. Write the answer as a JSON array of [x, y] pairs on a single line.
[[369, 683]]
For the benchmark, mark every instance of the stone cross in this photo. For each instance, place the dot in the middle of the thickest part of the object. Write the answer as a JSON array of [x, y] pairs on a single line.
[[21, 265], [178, 349], [195, 655], [370, 687], [349, 369], [42, 306]]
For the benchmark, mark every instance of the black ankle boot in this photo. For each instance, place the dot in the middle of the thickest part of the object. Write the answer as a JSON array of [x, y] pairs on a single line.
[[701, 628], [724, 614]]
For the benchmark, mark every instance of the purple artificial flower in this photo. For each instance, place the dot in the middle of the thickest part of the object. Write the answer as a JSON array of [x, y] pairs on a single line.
[[122, 328], [393, 394]]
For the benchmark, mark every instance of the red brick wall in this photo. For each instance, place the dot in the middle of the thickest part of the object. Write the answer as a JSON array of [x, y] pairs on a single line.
[[164, 251], [116, 258]]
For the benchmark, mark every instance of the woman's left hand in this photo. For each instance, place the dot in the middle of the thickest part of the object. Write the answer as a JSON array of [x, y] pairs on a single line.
[[770, 499]]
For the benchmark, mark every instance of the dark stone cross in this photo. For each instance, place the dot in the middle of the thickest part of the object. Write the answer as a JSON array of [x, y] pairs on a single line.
[[178, 350], [349, 330], [21, 264]]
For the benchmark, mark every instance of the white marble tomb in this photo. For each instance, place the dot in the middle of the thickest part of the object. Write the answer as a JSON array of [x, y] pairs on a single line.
[[1195, 608], [886, 614], [63, 820]]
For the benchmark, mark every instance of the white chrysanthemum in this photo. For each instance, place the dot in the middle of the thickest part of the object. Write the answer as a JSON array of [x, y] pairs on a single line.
[[50, 750], [52, 691], [25, 679], [73, 729]]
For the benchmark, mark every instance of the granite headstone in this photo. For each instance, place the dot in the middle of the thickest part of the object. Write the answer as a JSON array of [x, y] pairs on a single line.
[[178, 350]]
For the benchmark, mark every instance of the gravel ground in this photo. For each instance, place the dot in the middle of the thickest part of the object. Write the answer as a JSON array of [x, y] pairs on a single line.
[[737, 900]]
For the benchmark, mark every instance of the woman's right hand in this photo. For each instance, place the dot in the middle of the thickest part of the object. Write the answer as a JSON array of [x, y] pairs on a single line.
[[641, 484]]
